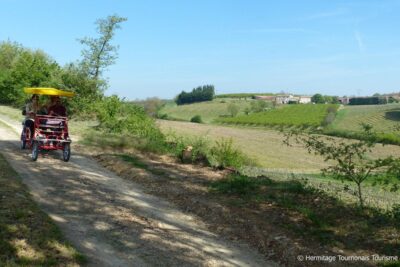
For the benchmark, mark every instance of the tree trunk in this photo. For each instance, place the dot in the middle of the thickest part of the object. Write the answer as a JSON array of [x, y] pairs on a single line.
[[360, 197]]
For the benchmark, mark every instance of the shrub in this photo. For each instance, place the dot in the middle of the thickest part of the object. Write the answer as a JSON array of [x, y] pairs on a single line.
[[118, 117], [233, 109], [196, 119], [163, 116], [200, 146], [223, 155]]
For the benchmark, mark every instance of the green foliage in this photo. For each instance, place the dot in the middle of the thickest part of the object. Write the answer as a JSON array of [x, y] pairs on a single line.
[[151, 105], [258, 106], [196, 119], [219, 154], [21, 67], [290, 115], [99, 53], [200, 147], [233, 109], [318, 99], [223, 154], [199, 94], [348, 160], [118, 117], [375, 100]]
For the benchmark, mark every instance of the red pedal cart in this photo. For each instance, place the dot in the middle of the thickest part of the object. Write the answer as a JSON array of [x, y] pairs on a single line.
[[50, 132]]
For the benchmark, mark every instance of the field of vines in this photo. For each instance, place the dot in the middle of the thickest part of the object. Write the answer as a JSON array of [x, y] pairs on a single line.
[[384, 118], [288, 115]]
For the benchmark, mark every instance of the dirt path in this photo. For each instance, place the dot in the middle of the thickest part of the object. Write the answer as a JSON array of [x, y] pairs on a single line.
[[111, 220]]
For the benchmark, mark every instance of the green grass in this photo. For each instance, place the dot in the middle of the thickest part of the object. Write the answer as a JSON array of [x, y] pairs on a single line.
[[314, 215], [287, 115], [378, 192], [264, 145], [28, 237], [209, 111]]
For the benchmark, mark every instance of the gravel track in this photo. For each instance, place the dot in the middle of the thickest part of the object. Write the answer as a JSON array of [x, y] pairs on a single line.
[[111, 220]]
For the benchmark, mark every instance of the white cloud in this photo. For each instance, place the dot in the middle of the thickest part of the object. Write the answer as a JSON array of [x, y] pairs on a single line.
[[360, 42]]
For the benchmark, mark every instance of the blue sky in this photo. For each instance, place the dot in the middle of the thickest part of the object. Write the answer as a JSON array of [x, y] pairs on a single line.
[[338, 47]]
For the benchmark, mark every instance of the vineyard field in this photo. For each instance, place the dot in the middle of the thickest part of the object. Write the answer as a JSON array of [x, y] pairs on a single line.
[[288, 115], [383, 118]]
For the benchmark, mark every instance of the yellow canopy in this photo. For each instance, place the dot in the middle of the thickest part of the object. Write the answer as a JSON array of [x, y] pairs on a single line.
[[48, 91]]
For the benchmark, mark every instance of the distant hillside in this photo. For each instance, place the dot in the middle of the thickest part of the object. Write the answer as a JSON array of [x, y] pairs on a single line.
[[383, 118], [241, 95], [208, 111]]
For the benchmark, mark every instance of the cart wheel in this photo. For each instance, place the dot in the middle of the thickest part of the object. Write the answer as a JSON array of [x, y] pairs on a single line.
[[35, 150], [23, 137], [66, 152]]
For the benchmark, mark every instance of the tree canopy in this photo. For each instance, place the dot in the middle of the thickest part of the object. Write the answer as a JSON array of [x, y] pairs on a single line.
[[199, 94]]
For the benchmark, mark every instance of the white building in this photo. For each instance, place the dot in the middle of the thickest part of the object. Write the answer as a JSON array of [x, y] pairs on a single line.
[[304, 99], [285, 99]]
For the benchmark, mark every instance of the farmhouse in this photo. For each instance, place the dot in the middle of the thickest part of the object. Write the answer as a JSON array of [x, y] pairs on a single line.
[[285, 99], [304, 99], [344, 100]]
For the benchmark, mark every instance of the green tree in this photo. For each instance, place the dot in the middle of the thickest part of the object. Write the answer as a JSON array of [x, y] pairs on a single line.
[[318, 99], [99, 52], [258, 105], [348, 160], [21, 67], [151, 105]]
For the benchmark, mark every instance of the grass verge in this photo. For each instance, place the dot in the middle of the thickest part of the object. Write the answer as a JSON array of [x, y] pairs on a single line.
[[312, 214], [28, 237]]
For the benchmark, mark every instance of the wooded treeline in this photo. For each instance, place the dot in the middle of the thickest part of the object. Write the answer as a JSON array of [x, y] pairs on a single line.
[[199, 94]]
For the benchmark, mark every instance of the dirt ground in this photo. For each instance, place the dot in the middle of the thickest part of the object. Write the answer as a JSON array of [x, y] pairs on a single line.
[[113, 221]]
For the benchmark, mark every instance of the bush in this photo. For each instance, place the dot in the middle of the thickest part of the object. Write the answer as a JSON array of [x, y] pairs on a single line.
[[196, 119], [223, 155], [200, 147], [118, 117], [163, 116]]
